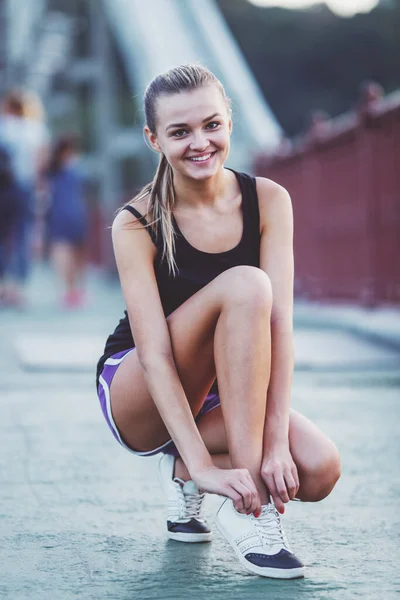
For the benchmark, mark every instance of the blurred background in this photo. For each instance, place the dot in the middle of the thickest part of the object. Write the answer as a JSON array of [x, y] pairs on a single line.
[[315, 88], [315, 103], [316, 107]]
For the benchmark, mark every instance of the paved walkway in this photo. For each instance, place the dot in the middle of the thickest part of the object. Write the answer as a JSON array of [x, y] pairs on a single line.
[[381, 325], [80, 518]]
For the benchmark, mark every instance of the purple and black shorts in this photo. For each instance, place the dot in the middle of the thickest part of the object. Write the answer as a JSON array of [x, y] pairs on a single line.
[[110, 367]]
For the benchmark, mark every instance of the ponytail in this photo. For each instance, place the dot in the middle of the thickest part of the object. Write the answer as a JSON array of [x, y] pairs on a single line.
[[160, 204]]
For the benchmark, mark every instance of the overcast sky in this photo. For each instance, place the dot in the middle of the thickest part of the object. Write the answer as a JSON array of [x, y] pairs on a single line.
[[341, 7]]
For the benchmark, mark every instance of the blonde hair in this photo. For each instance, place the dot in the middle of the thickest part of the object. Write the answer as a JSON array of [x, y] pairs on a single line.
[[160, 191]]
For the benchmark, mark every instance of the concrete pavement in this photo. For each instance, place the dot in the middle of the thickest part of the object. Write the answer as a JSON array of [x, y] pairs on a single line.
[[380, 325], [82, 518]]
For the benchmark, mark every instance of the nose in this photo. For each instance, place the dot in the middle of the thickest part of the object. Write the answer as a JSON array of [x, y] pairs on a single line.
[[199, 142]]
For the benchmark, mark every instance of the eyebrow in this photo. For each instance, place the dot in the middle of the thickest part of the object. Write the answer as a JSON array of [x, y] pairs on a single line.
[[185, 124]]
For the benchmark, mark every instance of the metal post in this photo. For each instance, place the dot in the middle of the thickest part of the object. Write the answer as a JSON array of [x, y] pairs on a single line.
[[105, 128]]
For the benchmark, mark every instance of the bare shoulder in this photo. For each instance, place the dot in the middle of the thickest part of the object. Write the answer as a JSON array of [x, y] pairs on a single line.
[[125, 217], [274, 202], [130, 237]]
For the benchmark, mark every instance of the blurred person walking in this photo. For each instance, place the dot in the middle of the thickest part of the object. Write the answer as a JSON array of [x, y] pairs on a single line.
[[24, 141], [39, 135], [11, 207], [68, 220], [205, 258]]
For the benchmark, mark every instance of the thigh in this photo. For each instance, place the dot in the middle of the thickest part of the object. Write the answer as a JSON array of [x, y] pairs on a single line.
[[191, 328]]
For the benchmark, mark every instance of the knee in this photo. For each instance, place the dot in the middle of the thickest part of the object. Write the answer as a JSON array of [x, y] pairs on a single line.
[[248, 286], [320, 479]]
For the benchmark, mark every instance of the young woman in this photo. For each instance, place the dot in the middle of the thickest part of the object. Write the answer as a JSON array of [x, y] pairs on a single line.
[[68, 220], [205, 260]]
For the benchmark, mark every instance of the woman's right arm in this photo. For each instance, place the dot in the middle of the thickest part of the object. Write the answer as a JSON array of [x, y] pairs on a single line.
[[135, 253]]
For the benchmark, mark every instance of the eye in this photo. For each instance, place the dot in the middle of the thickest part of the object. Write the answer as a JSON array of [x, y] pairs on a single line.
[[179, 133], [213, 125]]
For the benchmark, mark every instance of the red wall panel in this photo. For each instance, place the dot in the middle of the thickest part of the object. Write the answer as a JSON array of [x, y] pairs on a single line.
[[345, 188]]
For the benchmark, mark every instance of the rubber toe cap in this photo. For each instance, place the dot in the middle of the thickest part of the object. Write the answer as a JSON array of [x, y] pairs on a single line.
[[192, 526], [282, 560]]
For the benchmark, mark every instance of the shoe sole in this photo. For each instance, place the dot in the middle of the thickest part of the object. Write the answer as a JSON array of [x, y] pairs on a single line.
[[191, 538], [262, 571]]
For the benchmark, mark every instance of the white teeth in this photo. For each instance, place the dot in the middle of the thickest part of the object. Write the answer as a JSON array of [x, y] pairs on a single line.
[[200, 158]]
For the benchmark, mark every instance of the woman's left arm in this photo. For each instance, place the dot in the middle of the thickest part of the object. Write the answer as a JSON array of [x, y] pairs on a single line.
[[276, 259]]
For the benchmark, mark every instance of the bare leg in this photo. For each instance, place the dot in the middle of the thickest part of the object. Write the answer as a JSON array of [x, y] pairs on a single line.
[[315, 455], [69, 263], [63, 260], [243, 369], [229, 320], [80, 265], [229, 323]]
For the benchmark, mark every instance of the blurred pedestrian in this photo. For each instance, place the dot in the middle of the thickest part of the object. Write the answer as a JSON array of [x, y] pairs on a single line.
[[11, 206], [38, 132], [205, 258], [68, 220], [23, 141]]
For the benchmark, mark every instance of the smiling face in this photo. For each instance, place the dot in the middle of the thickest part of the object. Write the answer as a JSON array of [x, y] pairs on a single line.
[[192, 131]]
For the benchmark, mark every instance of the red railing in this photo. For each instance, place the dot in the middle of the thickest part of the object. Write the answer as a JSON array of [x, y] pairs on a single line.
[[344, 179]]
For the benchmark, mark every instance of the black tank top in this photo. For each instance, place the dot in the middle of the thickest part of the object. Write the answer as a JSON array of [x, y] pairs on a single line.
[[195, 267]]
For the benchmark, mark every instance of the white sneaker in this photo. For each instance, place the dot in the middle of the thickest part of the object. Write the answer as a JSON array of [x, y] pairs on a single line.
[[185, 520], [260, 544]]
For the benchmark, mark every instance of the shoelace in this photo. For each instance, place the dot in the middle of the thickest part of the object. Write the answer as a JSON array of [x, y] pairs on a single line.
[[269, 526], [192, 505]]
